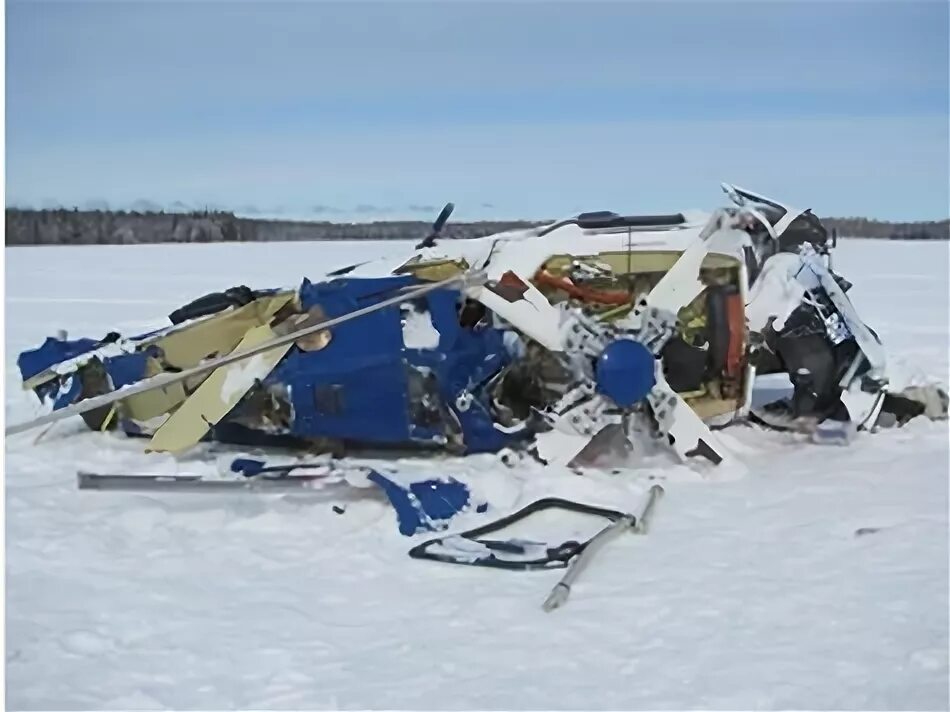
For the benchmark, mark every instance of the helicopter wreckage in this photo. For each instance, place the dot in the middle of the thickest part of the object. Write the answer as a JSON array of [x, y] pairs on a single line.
[[578, 343]]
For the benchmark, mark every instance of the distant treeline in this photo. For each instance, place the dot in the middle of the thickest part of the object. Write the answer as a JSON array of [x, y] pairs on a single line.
[[95, 227], [877, 229]]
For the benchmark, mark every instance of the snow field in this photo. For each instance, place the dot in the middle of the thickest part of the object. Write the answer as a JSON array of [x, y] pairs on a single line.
[[812, 577]]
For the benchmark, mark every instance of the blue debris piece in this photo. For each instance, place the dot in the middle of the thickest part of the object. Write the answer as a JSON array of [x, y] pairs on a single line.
[[51, 352], [425, 505], [122, 370], [248, 467], [126, 369], [464, 362], [68, 393]]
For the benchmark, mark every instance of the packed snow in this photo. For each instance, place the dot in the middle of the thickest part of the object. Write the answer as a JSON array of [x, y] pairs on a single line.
[[418, 331], [811, 577]]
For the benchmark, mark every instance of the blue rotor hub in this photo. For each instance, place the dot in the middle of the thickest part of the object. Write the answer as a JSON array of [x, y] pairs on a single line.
[[624, 372]]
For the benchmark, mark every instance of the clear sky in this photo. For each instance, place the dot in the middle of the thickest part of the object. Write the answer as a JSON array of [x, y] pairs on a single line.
[[509, 109]]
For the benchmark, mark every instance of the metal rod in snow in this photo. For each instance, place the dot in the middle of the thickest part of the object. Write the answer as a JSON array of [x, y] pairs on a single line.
[[167, 379], [195, 484], [643, 518], [635, 522], [562, 589]]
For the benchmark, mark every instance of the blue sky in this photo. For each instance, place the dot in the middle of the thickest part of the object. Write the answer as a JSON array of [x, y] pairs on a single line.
[[509, 109]]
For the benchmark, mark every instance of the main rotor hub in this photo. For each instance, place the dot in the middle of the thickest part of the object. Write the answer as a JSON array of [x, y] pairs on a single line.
[[625, 372]]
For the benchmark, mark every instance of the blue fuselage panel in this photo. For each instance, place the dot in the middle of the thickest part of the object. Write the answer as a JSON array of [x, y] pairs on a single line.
[[366, 385]]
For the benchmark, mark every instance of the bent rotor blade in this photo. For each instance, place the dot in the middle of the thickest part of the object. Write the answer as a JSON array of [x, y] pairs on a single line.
[[688, 435], [733, 194], [558, 448], [519, 302], [217, 395], [585, 436], [681, 284]]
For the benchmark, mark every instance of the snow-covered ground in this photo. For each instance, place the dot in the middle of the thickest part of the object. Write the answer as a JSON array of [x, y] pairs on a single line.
[[751, 591]]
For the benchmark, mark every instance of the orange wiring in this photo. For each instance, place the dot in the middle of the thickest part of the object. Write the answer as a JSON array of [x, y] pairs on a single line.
[[583, 293]]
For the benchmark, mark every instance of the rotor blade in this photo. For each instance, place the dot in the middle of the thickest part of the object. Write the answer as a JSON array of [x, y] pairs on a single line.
[[443, 218], [559, 448], [429, 240], [681, 284], [733, 194], [166, 379], [212, 401], [748, 195], [519, 302], [346, 270], [688, 435], [583, 435]]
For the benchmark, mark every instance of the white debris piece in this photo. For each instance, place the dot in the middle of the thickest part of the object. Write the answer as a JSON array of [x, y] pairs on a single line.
[[110, 350], [776, 292]]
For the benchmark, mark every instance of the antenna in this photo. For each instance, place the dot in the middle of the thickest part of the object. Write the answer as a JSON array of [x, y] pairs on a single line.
[[629, 260]]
